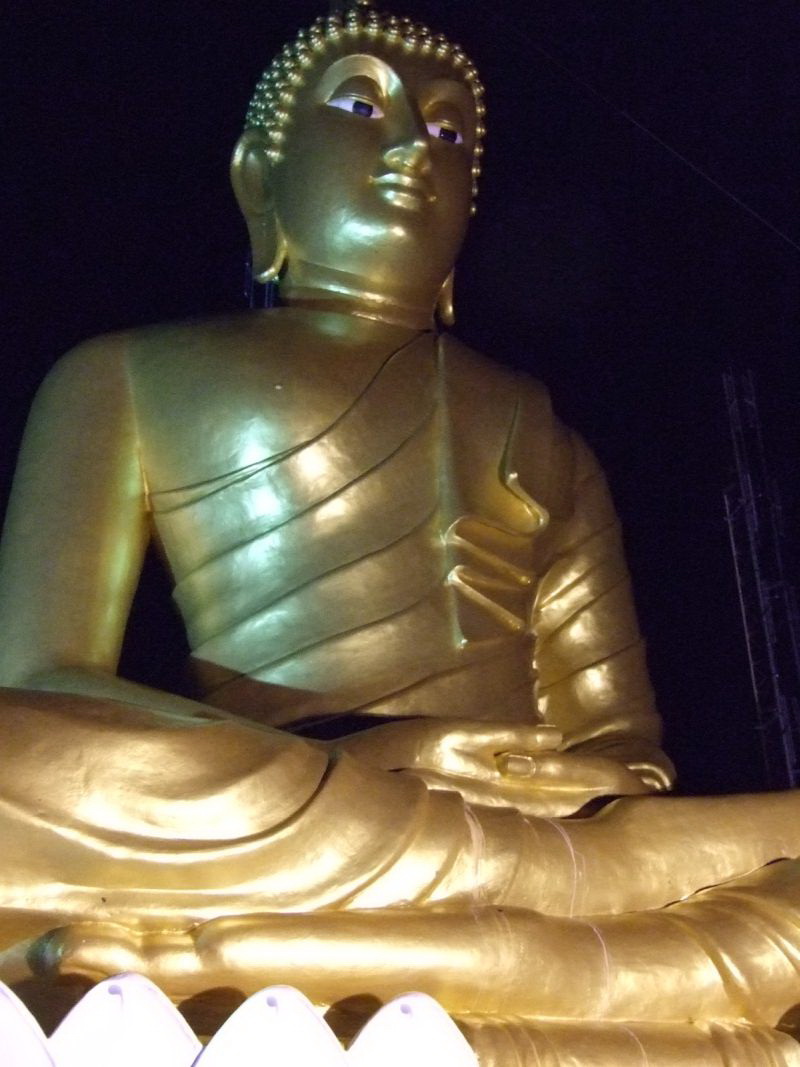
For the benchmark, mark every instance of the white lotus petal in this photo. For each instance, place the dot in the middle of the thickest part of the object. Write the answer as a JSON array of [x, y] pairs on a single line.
[[22, 1043], [411, 1031], [279, 1027], [125, 1021]]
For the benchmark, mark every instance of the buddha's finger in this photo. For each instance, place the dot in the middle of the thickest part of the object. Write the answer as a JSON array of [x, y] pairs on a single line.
[[565, 770], [495, 740]]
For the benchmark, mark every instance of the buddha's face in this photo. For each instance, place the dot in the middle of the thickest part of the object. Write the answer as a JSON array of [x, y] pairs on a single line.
[[372, 192]]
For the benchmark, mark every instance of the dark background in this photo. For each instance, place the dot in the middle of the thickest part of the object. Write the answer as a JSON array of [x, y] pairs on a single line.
[[600, 260]]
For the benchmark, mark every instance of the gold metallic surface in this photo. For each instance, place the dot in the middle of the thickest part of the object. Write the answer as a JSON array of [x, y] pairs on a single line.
[[364, 518], [358, 29]]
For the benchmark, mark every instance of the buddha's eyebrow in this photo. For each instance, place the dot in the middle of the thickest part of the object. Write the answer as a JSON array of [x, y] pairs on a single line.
[[353, 65], [447, 90]]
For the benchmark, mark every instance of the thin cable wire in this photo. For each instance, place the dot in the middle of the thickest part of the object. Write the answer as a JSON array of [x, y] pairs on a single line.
[[580, 80]]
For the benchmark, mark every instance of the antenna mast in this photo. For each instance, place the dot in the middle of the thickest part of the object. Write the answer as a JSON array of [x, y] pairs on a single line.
[[766, 597]]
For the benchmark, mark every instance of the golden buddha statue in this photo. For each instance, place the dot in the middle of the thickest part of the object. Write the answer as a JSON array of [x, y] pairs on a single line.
[[367, 524]]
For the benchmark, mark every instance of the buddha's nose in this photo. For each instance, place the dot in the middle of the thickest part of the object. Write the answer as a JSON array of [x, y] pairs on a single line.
[[410, 155]]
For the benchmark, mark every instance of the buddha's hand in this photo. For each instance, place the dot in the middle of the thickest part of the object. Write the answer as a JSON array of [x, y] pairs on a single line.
[[502, 765]]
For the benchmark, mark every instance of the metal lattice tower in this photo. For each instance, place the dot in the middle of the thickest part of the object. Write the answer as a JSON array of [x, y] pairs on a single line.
[[767, 600]]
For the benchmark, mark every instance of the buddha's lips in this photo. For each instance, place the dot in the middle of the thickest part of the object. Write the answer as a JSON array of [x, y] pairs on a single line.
[[406, 183]]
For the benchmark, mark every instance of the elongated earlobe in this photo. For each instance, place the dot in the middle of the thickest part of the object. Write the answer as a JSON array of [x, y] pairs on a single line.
[[272, 250], [251, 176], [444, 302]]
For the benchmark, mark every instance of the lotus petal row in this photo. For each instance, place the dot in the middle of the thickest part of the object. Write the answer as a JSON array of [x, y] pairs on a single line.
[[129, 1022]]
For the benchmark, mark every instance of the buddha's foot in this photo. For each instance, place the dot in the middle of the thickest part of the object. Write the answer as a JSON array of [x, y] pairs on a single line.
[[727, 955], [180, 962]]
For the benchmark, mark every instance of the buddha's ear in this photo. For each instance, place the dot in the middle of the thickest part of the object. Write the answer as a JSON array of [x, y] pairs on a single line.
[[251, 177]]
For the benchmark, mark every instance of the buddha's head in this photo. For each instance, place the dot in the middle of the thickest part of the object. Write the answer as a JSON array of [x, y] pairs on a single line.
[[357, 170]]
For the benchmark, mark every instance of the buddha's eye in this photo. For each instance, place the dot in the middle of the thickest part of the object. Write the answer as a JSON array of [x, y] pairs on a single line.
[[356, 106], [445, 132]]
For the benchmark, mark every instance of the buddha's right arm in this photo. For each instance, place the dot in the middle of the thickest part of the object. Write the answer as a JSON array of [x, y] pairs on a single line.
[[75, 534]]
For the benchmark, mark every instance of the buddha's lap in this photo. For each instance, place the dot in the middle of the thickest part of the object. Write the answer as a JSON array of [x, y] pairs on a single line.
[[158, 816]]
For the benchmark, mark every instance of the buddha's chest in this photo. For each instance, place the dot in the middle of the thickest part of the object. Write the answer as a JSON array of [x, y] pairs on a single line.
[[232, 451], [326, 458], [224, 417]]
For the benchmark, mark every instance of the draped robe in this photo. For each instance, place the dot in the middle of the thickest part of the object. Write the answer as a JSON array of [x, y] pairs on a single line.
[[439, 545]]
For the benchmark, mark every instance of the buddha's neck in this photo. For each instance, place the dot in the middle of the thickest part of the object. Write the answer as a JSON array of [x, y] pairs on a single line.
[[325, 289]]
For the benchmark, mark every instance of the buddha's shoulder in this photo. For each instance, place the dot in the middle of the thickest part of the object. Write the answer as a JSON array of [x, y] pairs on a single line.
[[214, 336], [281, 341], [490, 381], [514, 410], [189, 338], [286, 339], [107, 355]]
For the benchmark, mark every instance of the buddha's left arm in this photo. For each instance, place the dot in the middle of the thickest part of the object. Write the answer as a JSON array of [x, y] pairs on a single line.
[[592, 680]]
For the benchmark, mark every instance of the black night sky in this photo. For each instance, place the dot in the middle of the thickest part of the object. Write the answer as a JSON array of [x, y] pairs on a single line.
[[601, 259]]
